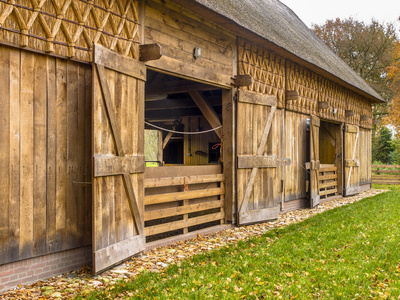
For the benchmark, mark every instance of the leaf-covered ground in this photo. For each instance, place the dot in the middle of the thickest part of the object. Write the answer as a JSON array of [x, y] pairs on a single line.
[[159, 260], [351, 252]]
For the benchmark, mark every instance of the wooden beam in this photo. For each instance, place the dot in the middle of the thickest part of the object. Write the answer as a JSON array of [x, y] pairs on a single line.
[[256, 161], [259, 215], [243, 80], [349, 113], [291, 95], [117, 165], [207, 110], [167, 139], [149, 52], [376, 121], [323, 105], [117, 62], [256, 98], [175, 87], [365, 118], [351, 163]]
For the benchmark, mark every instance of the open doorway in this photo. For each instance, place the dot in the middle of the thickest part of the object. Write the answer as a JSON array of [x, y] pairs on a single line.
[[184, 180], [330, 156]]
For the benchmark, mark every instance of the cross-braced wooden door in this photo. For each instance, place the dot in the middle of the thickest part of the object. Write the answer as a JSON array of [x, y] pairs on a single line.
[[314, 164], [258, 148], [118, 157], [351, 160]]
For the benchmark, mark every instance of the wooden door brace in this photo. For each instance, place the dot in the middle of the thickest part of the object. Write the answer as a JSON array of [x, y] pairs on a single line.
[[353, 158], [260, 151], [120, 150]]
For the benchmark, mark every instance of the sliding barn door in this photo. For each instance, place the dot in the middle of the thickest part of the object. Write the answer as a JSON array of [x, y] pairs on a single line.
[[258, 141], [351, 160], [314, 164], [118, 158]]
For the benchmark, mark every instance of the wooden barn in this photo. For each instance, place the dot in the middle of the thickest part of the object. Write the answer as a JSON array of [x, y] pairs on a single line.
[[128, 123]]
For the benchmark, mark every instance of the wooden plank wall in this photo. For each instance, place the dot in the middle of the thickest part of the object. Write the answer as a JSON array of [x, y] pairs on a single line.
[[178, 35], [365, 156], [46, 154], [297, 150]]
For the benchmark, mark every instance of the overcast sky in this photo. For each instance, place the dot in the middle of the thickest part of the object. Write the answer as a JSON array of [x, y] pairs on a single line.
[[318, 11]]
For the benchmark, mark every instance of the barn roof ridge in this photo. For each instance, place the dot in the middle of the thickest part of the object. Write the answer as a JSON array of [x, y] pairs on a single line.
[[277, 23]]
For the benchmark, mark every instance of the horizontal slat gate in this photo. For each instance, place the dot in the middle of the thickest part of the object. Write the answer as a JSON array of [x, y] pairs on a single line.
[[180, 199]]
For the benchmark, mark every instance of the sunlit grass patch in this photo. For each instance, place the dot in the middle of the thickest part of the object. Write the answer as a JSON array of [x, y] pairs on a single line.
[[350, 252]]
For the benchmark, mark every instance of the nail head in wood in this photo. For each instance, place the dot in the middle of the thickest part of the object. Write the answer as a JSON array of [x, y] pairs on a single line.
[[149, 52]]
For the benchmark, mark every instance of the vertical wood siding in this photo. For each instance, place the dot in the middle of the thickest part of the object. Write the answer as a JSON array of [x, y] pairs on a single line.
[[45, 157], [298, 151], [365, 156]]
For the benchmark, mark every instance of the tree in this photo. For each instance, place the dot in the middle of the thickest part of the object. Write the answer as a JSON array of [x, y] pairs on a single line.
[[393, 117], [382, 146], [367, 48]]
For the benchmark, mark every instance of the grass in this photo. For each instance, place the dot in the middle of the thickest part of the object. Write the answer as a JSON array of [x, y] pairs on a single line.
[[351, 252]]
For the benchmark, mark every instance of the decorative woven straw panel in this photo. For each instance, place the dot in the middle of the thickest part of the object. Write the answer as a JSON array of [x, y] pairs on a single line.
[[70, 27], [305, 83], [336, 96], [266, 68]]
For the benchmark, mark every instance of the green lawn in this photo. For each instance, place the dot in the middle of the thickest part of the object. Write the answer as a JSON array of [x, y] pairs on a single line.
[[351, 252]]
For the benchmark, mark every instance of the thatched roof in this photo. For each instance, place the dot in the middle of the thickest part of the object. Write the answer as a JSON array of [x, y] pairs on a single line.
[[275, 22]]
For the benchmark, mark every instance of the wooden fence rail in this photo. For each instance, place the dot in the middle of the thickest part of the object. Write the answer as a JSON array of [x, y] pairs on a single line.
[[328, 180], [386, 174], [180, 199]]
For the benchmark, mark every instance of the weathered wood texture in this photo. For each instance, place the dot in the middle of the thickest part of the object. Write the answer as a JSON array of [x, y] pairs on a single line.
[[351, 160], [266, 67], [177, 199], [118, 134], [297, 149], [365, 156], [70, 28], [314, 161], [259, 132], [170, 26], [385, 174], [328, 180], [198, 145], [45, 162]]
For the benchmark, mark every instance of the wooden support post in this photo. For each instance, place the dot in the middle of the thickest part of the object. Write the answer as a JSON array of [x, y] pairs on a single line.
[[167, 139], [207, 110]]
